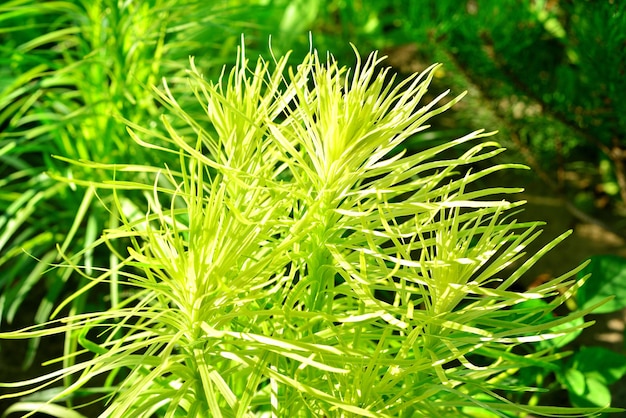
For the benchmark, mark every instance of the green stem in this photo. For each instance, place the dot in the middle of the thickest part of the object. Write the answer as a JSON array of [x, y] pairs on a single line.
[[319, 268], [319, 264]]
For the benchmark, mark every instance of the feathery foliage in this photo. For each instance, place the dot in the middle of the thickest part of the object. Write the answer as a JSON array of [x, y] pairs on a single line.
[[296, 261], [69, 70]]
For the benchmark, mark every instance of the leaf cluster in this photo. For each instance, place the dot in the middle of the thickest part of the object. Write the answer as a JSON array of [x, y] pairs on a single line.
[[70, 71], [549, 74], [297, 261]]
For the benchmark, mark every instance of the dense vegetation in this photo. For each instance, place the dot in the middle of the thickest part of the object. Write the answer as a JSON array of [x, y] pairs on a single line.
[[90, 167]]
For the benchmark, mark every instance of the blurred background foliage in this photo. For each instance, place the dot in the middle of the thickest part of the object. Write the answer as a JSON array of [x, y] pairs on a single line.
[[549, 74]]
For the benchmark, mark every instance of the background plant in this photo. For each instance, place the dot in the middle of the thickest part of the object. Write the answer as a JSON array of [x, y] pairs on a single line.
[[586, 375], [297, 262], [70, 70]]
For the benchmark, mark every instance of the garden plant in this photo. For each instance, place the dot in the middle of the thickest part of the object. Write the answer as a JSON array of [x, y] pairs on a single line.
[[295, 260], [68, 71], [548, 73]]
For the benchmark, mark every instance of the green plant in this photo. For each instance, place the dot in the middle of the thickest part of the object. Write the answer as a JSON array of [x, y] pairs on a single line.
[[536, 62], [587, 374], [298, 262], [549, 74], [69, 70]]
